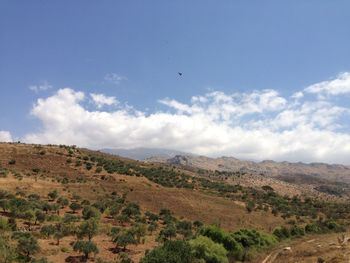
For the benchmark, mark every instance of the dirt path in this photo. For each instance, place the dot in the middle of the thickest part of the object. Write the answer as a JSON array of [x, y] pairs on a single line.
[[309, 250], [283, 249]]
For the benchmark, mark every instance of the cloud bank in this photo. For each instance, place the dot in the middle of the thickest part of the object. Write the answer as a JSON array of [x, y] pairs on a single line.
[[253, 125], [5, 136]]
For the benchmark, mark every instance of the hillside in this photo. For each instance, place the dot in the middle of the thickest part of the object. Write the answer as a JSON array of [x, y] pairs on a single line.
[[316, 179], [336, 172], [67, 189], [144, 153]]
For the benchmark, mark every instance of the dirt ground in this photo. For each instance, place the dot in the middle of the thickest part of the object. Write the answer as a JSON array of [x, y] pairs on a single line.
[[310, 249]]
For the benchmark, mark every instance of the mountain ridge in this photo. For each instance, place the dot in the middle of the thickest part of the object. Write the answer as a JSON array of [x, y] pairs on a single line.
[[324, 171]]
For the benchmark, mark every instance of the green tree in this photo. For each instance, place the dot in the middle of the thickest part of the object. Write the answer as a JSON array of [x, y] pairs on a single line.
[[29, 216], [184, 228], [55, 208], [114, 210], [138, 230], [91, 212], [171, 252], [250, 205], [124, 238], [27, 244], [152, 227], [63, 202], [74, 207], [47, 230], [4, 225], [167, 233], [122, 219], [46, 207], [53, 195], [151, 216], [69, 218], [204, 248], [58, 235], [39, 216], [4, 204], [88, 228], [85, 247], [131, 210], [7, 251], [218, 235]]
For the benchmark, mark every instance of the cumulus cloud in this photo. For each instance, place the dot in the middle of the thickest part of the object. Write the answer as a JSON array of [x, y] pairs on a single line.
[[252, 125], [339, 85], [114, 78], [40, 87], [297, 95], [101, 100], [5, 136]]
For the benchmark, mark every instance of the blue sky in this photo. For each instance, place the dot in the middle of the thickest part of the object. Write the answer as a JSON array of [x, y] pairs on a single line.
[[132, 50]]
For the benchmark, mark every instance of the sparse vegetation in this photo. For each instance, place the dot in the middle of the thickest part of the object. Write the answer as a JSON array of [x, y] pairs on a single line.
[[84, 208]]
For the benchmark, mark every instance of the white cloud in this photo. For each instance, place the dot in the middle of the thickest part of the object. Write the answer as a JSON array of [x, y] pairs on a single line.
[[5, 136], [297, 95], [101, 100], [256, 125], [41, 87], [114, 78], [339, 85], [220, 106]]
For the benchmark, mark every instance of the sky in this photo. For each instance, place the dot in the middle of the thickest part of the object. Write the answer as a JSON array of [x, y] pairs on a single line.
[[260, 79]]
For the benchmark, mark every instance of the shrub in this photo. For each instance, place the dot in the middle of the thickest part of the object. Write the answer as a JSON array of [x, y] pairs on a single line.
[[204, 248], [74, 206], [171, 252], [297, 231], [282, 233], [250, 238], [218, 235]]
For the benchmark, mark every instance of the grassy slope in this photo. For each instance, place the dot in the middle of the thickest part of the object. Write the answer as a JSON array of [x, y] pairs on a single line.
[[186, 203]]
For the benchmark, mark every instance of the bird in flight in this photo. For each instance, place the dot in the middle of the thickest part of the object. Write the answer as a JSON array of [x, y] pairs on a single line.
[[180, 73]]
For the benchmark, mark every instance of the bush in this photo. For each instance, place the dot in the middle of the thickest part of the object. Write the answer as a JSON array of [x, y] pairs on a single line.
[[321, 227], [12, 162], [204, 248], [297, 231], [282, 233], [250, 238], [218, 235], [171, 252]]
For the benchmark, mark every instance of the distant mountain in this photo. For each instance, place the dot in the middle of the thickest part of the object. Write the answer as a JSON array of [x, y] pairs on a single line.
[[157, 154], [287, 170]]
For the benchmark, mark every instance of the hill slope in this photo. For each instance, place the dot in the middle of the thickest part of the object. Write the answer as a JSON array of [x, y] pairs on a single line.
[[316, 179], [144, 153], [35, 181]]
